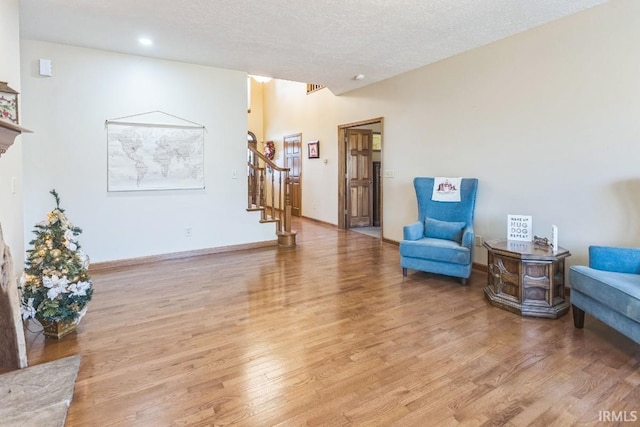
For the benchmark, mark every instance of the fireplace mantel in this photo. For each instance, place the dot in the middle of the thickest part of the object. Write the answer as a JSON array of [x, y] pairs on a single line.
[[8, 133]]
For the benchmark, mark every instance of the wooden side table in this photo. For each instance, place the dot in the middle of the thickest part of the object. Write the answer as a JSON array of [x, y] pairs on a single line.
[[526, 279]]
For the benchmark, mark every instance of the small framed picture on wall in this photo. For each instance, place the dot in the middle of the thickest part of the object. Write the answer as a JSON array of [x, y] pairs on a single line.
[[314, 149]]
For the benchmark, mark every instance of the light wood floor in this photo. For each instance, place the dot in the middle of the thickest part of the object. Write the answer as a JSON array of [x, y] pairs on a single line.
[[330, 333]]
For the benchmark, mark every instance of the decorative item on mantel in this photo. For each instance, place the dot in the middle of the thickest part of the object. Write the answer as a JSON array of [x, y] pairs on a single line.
[[8, 103], [9, 127], [55, 285]]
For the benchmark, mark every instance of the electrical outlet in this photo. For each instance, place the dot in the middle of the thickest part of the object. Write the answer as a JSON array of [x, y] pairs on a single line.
[[187, 232], [478, 240]]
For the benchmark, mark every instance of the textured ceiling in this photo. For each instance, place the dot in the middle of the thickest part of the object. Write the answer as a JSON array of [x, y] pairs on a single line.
[[324, 42]]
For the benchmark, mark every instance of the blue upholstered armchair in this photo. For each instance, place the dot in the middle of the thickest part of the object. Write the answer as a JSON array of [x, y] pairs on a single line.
[[441, 241], [608, 289]]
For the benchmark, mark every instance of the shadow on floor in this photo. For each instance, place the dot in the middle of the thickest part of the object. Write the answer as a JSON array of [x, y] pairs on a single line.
[[369, 231]]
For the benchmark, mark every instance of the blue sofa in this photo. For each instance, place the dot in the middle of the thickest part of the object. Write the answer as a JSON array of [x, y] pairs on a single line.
[[608, 289]]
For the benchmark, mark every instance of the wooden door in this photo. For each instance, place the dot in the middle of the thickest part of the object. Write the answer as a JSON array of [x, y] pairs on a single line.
[[359, 178], [293, 161]]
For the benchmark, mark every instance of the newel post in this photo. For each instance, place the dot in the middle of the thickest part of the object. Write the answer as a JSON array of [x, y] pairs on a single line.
[[287, 203], [286, 237]]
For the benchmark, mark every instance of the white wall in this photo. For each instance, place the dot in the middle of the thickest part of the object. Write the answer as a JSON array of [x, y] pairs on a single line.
[[11, 208], [548, 120], [68, 151], [256, 115], [289, 110]]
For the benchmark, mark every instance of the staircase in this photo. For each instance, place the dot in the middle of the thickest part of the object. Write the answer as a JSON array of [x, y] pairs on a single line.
[[269, 189]]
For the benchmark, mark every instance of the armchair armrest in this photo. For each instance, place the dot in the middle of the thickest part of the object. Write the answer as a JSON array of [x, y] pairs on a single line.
[[467, 237], [413, 231], [617, 259]]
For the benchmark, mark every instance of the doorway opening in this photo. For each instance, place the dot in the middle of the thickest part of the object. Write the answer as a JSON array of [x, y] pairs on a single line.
[[359, 176]]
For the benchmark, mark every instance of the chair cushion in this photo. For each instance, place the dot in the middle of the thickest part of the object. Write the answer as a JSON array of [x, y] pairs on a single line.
[[436, 250], [619, 291], [443, 229]]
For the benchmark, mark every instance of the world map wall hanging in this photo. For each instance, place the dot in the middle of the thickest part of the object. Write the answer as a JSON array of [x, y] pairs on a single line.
[[153, 156]]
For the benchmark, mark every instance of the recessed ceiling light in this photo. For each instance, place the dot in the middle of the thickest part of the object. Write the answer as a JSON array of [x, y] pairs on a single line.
[[144, 41]]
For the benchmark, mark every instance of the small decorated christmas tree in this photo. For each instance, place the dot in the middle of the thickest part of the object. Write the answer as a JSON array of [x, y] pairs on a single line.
[[55, 285]]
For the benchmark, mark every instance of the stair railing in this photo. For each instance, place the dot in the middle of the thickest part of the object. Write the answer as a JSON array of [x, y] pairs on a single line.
[[269, 192]]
